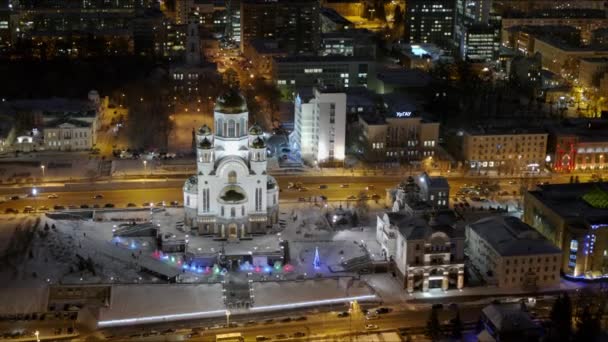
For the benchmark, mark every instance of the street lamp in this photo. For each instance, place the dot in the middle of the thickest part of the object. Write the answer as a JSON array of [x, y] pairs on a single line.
[[227, 318], [42, 168], [145, 167], [37, 334]]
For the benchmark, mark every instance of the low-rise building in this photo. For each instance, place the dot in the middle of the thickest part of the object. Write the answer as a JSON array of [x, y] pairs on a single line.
[[505, 150], [295, 72], [355, 42], [68, 134], [508, 323], [400, 134], [434, 190], [579, 145], [591, 70], [562, 58], [574, 217], [510, 254], [426, 254]]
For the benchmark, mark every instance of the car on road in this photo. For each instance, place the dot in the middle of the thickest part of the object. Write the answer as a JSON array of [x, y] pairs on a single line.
[[299, 334], [381, 311], [84, 206], [251, 323], [351, 198], [147, 204], [58, 207], [370, 187], [52, 196], [343, 314], [301, 199], [160, 204], [260, 338], [131, 205], [28, 209], [14, 198], [269, 321], [371, 315], [322, 186], [71, 206], [43, 208], [11, 211], [371, 327], [109, 205], [344, 185], [302, 189], [300, 318], [98, 196], [174, 203], [286, 320], [281, 336]]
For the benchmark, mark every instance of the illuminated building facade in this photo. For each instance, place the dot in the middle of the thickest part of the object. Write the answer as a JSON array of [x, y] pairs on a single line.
[[429, 21], [579, 145], [575, 218], [427, 254], [320, 125], [231, 196], [505, 150]]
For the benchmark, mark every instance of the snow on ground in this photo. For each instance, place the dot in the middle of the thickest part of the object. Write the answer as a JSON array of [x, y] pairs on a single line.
[[132, 301], [275, 293]]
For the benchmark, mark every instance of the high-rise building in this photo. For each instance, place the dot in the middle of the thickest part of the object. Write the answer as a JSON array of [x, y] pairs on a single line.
[[476, 30], [429, 21], [294, 24], [182, 11], [320, 125]]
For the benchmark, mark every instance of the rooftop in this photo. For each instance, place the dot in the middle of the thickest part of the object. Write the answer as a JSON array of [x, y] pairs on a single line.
[[567, 201], [334, 16], [509, 318], [509, 236], [419, 227], [322, 59]]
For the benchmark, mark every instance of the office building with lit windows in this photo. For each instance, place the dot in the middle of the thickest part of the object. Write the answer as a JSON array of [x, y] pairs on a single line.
[[575, 218], [429, 21], [320, 125], [294, 24], [480, 42], [399, 132], [506, 151], [297, 72]]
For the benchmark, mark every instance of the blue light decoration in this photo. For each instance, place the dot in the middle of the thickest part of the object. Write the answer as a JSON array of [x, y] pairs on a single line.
[[267, 269], [598, 226], [133, 246], [589, 244], [316, 263]]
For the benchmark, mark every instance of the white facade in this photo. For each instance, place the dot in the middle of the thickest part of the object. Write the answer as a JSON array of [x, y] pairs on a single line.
[[510, 254], [231, 196], [69, 136], [426, 255], [320, 126]]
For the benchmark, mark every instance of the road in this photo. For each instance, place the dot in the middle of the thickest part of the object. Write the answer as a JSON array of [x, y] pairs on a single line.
[[317, 324], [338, 188], [149, 190]]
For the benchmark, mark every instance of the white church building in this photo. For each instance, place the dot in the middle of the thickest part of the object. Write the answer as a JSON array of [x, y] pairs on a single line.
[[231, 196]]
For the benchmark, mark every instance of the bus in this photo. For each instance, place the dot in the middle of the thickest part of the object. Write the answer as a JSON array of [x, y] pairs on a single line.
[[230, 337]]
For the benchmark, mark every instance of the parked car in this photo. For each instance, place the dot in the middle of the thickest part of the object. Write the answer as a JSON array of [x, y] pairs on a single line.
[[52, 196], [322, 186], [381, 311], [343, 314], [147, 204], [28, 209], [98, 196], [43, 208], [371, 327], [11, 211], [174, 203], [58, 207], [84, 206], [299, 334], [14, 198], [109, 205], [131, 205], [344, 185]]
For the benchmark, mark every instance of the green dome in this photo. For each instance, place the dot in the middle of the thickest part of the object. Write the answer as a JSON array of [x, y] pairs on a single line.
[[258, 143], [205, 144], [255, 130], [204, 130], [231, 102]]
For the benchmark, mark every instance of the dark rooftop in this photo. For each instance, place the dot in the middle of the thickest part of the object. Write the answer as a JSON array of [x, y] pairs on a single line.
[[509, 236]]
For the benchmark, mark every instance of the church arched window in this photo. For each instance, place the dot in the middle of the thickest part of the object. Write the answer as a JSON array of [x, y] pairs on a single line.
[[222, 213], [232, 177], [232, 212], [231, 132], [220, 127]]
